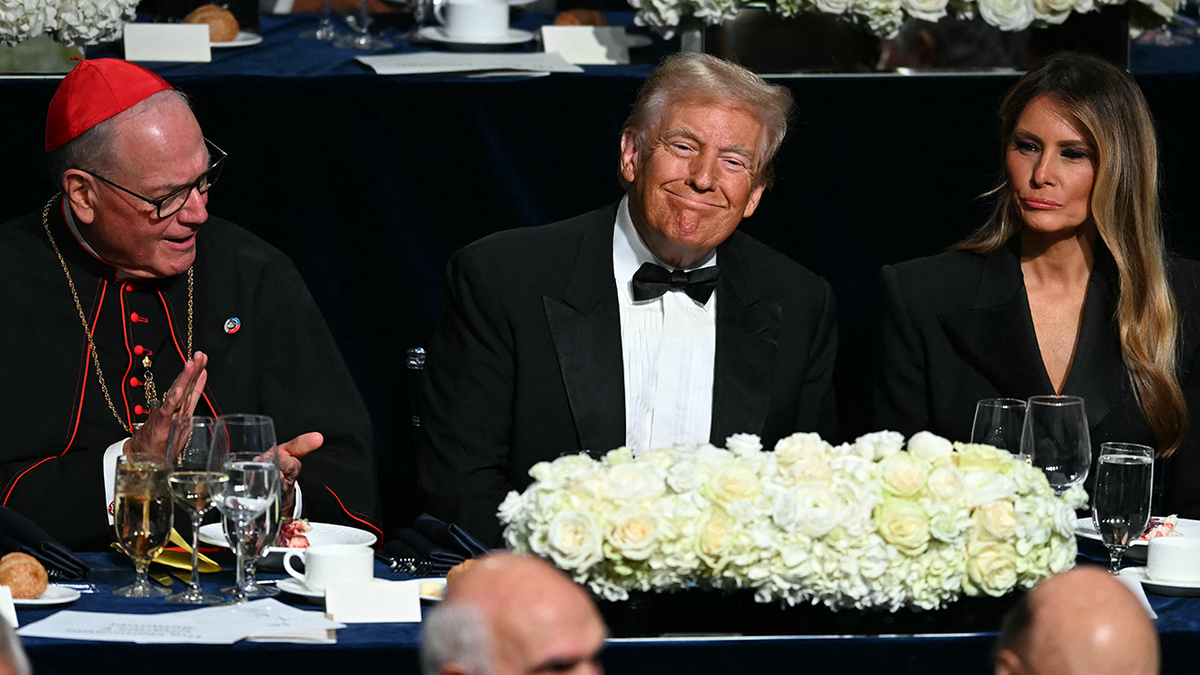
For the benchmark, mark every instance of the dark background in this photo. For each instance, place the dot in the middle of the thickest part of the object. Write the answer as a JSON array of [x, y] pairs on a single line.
[[370, 183]]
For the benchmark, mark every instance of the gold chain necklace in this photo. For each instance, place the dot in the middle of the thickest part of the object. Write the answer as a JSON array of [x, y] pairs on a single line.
[[148, 377]]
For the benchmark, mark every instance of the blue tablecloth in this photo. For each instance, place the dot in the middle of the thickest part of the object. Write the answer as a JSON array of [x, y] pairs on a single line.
[[393, 648]]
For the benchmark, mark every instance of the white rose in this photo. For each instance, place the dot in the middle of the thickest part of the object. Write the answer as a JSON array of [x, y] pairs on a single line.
[[946, 483], [510, 508], [733, 482], [801, 446], [715, 538], [879, 445], [814, 470], [573, 541], [929, 10], [632, 481], [927, 446], [785, 511], [991, 569], [1064, 520], [998, 519], [819, 511], [684, 476], [1052, 11], [1009, 15], [743, 444], [633, 533], [949, 525], [903, 475], [985, 486], [833, 6]]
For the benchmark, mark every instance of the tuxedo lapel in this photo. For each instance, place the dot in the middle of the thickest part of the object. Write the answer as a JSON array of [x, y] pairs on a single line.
[[996, 333], [747, 337], [1098, 368], [585, 325]]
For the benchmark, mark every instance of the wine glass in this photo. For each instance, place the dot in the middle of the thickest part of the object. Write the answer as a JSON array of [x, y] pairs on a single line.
[[362, 39], [245, 449], [324, 30], [1121, 502], [189, 449], [998, 423], [1055, 438], [262, 533], [142, 518]]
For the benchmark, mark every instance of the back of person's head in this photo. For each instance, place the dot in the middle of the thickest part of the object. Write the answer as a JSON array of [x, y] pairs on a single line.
[[953, 43], [1080, 622], [703, 78], [455, 634], [12, 656]]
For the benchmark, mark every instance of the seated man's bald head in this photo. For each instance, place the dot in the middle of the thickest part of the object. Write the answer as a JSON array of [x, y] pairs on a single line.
[[1080, 622], [529, 617]]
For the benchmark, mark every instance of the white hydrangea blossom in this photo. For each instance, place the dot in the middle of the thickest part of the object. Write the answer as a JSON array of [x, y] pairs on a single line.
[[93, 21], [864, 525], [22, 20]]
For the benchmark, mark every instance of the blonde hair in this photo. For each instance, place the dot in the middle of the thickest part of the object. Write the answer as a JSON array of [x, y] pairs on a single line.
[[1109, 106], [701, 77]]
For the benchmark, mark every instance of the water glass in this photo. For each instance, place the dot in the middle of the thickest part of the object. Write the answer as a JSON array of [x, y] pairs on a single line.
[[998, 423], [1055, 438], [1121, 500]]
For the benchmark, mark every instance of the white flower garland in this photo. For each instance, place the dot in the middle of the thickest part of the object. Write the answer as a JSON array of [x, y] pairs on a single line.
[[870, 524], [72, 22]]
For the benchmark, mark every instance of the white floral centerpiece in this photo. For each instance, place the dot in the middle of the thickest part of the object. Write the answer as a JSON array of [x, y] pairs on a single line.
[[72, 22], [870, 524], [884, 17]]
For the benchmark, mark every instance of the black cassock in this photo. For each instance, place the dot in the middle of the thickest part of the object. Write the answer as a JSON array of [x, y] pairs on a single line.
[[269, 350]]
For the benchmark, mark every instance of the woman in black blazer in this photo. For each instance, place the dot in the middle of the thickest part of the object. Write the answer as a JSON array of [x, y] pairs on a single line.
[[1066, 289]]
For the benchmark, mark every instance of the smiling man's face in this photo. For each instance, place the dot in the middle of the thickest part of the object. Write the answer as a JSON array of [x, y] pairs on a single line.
[[159, 148], [693, 177]]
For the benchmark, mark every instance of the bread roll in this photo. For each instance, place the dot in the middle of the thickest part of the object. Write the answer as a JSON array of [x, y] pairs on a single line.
[[24, 575], [458, 569], [580, 17], [222, 27]]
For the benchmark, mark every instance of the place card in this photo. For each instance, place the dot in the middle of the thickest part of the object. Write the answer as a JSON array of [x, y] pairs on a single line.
[[167, 42], [7, 610], [375, 601], [588, 45]]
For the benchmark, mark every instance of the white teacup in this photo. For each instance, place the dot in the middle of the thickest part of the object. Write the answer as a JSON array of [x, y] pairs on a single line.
[[328, 563], [1173, 559], [470, 20]]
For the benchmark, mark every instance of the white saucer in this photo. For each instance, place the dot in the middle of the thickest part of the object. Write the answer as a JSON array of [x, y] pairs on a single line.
[[244, 39], [294, 587], [53, 595], [513, 36], [1179, 588]]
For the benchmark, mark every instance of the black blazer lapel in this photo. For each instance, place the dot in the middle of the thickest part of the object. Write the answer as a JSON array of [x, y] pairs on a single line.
[[1098, 369], [996, 333], [585, 326], [747, 337]]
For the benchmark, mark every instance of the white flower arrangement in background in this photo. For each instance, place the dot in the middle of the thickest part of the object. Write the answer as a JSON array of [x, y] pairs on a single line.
[[884, 17], [72, 22], [870, 524]]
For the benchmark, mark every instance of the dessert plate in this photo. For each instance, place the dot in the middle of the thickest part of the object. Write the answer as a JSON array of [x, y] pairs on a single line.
[[1177, 588], [244, 39], [53, 595], [512, 36]]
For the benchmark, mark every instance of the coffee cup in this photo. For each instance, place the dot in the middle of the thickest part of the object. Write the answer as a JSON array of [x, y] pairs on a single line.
[[472, 20], [329, 563], [1173, 560]]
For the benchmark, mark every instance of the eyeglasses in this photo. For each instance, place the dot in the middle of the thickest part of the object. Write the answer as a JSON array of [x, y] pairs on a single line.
[[172, 203]]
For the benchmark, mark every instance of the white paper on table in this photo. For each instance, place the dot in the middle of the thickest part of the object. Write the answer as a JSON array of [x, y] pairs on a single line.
[[374, 601], [314, 636], [1131, 582], [588, 45], [424, 63], [210, 625], [8, 611]]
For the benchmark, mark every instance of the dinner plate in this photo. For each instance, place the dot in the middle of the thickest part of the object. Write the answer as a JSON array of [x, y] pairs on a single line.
[[244, 39], [53, 595], [513, 36], [1186, 527], [1177, 588]]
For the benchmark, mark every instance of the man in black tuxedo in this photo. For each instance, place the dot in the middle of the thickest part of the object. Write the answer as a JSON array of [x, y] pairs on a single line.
[[617, 327]]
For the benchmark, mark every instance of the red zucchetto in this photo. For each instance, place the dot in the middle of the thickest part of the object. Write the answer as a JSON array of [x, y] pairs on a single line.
[[94, 91]]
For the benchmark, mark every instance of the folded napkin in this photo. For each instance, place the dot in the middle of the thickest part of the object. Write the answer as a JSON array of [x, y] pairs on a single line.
[[444, 545], [183, 559], [19, 534]]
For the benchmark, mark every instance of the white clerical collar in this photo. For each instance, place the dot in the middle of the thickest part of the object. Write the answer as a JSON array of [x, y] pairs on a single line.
[[630, 252], [69, 216]]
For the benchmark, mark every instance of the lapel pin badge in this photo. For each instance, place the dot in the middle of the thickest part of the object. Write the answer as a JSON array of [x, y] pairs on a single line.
[[233, 325]]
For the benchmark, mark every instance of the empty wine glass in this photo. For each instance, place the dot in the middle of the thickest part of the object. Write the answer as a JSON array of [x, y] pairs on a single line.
[[324, 30], [1121, 502], [193, 482], [142, 518], [245, 450], [362, 38], [1055, 438], [999, 422]]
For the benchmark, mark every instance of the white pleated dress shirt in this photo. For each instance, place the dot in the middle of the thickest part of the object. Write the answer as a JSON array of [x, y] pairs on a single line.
[[668, 345]]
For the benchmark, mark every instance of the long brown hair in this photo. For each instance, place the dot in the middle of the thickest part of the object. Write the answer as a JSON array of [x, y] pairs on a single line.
[[1108, 104]]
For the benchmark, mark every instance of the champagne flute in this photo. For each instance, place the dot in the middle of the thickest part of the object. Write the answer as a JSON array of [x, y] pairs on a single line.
[[142, 518], [189, 448], [1121, 503], [245, 450], [1055, 437], [998, 423]]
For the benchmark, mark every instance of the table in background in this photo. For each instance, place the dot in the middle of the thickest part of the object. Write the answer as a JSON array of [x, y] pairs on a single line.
[[393, 648], [369, 183]]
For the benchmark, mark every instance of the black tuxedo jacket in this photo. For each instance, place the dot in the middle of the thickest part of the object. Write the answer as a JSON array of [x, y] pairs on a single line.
[[526, 364], [956, 328]]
